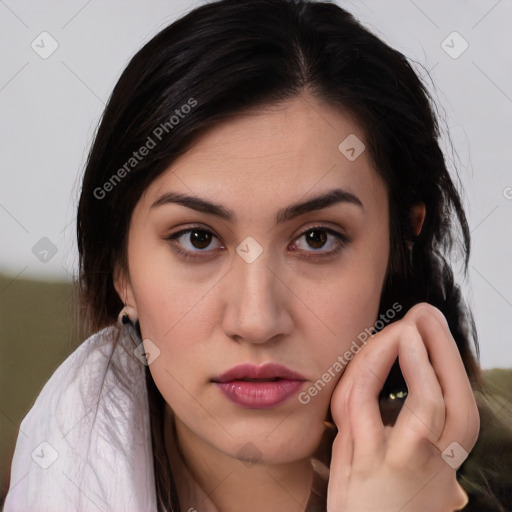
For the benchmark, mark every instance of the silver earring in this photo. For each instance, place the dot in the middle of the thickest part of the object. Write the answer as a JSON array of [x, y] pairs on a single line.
[[410, 246], [128, 315], [129, 323]]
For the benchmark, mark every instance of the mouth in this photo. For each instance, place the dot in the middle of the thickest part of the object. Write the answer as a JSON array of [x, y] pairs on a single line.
[[259, 387], [269, 372], [260, 380]]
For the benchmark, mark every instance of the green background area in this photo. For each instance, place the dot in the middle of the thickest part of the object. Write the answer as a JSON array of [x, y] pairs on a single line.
[[38, 331], [36, 334]]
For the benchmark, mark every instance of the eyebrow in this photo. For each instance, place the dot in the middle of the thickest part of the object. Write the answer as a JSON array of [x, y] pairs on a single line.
[[319, 202]]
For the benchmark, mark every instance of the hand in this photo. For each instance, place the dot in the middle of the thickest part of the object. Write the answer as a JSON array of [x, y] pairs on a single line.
[[399, 468]]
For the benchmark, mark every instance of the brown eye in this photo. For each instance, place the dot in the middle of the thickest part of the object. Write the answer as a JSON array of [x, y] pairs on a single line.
[[316, 238], [200, 239], [195, 240], [320, 241]]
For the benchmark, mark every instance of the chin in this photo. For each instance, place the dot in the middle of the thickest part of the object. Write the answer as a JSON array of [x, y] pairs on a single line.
[[273, 447]]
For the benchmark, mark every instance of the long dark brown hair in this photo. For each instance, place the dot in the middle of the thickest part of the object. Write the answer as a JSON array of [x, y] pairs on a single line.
[[228, 56]]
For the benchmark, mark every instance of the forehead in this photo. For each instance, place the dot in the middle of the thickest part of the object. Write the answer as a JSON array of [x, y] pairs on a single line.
[[286, 150]]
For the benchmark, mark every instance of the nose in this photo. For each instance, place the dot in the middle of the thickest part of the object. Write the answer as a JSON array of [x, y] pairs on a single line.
[[256, 302]]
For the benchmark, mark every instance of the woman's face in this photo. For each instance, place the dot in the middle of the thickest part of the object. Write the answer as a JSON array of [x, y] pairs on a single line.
[[284, 262]]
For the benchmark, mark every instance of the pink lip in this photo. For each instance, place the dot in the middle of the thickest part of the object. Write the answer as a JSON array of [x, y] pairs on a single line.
[[260, 392]]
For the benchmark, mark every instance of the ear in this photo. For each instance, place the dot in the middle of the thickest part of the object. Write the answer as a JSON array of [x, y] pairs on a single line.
[[123, 286], [417, 216]]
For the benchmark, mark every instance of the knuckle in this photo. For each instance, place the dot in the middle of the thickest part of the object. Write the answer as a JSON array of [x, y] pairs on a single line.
[[408, 460], [426, 417], [424, 309], [421, 308], [406, 328], [410, 333], [340, 401], [397, 459]]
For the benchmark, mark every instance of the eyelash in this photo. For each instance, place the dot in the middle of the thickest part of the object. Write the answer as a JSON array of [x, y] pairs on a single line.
[[341, 242]]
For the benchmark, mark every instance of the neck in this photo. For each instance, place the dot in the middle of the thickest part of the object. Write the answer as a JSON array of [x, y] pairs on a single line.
[[211, 481]]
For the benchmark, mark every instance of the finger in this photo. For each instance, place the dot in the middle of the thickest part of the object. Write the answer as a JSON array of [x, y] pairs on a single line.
[[342, 452], [462, 418], [341, 466], [367, 377], [422, 416]]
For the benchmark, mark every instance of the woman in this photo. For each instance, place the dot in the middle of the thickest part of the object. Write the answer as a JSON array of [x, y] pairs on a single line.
[[266, 212]]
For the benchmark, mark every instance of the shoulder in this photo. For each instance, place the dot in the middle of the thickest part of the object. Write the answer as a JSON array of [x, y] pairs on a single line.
[[79, 373], [100, 375], [88, 433]]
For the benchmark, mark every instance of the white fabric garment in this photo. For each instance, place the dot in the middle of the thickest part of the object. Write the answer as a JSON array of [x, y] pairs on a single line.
[[85, 445]]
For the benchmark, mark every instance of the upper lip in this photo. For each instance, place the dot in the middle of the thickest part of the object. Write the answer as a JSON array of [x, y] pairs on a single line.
[[251, 371]]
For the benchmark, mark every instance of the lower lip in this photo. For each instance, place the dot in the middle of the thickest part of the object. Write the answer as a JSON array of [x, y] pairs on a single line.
[[259, 395]]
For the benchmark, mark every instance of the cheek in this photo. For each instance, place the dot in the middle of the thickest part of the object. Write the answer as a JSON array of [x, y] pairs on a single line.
[[183, 368], [172, 318], [173, 314], [342, 313], [167, 295], [346, 302]]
